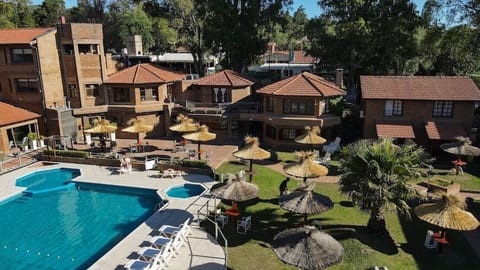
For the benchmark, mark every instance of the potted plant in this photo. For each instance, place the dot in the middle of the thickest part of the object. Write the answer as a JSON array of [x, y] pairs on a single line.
[[25, 145], [32, 138], [41, 140]]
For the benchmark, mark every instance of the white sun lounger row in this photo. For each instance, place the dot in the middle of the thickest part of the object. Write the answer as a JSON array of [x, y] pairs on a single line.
[[162, 248]]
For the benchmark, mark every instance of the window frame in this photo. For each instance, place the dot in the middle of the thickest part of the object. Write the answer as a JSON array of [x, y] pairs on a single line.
[[121, 94], [442, 109], [31, 85], [149, 94], [92, 87], [393, 107], [23, 57], [296, 106]]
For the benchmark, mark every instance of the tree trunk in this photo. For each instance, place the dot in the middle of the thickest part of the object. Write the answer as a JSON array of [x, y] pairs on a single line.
[[376, 222]]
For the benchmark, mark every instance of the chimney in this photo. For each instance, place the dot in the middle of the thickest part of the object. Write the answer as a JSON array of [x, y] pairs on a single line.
[[339, 78], [63, 20]]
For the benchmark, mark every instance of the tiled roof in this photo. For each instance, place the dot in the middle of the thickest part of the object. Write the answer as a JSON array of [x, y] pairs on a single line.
[[224, 78], [21, 35], [299, 57], [11, 114], [144, 74], [304, 84], [402, 130], [419, 88], [444, 131]]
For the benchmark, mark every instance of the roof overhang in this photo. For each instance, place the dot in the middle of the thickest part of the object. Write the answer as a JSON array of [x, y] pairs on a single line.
[[397, 130], [444, 130]]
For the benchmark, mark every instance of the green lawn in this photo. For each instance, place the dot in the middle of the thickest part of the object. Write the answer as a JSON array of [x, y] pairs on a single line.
[[346, 223]]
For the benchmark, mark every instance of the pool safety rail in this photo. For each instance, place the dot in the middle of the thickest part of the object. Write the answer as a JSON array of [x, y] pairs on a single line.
[[161, 205], [206, 209]]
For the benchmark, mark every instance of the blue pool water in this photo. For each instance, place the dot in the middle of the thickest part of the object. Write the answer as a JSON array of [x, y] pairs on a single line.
[[68, 228], [48, 180], [185, 191]]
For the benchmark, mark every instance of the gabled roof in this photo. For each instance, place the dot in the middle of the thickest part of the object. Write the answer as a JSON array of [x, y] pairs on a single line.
[[21, 35], [304, 84], [11, 114], [299, 57], [419, 88], [144, 74], [224, 78]]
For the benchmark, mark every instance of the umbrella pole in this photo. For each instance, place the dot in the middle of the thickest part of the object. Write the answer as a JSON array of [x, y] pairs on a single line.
[[251, 170], [199, 153], [305, 219]]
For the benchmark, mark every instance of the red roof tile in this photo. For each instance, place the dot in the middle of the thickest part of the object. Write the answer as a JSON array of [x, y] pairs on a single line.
[[300, 57], [419, 88], [11, 114], [224, 78], [444, 131], [21, 35], [304, 84], [402, 130], [144, 74]]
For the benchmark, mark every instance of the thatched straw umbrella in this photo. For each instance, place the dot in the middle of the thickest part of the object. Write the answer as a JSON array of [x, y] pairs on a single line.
[[101, 126], [307, 248], [235, 189], [311, 136], [462, 147], [304, 201], [447, 213], [251, 151], [202, 135], [185, 124], [305, 167], [138, 126]]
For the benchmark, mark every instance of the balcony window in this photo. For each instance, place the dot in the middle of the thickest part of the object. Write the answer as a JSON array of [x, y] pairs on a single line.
[[27, 85], [270, 131], [298, 106], [393, 108], [269, 104], [219, 95], [289, 133], [121, 94], [443, 109], [87, 48], [22, 56], [149, 94], [92, 90], [325, 106]]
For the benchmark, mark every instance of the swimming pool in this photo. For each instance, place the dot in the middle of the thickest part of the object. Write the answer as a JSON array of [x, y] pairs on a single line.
[[68, 228], [185, 191], [48, 180]]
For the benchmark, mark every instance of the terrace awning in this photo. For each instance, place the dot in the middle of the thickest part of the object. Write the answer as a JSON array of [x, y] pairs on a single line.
[[444, 130], [397, 130]]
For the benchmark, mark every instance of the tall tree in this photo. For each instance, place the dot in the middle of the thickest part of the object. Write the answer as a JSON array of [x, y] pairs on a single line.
[[16, 14], [48, 14], [88, 11], [237, 28], [376, 174]]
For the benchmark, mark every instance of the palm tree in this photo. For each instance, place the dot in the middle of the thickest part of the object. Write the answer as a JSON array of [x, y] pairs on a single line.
[[375, 175]]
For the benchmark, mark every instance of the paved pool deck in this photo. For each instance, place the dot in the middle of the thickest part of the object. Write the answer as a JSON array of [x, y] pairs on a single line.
[[201, 251]]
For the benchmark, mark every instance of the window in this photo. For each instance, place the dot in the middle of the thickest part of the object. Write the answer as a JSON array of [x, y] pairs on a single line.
[[219, 95], [149, 94], [393, 108], [87, 48], [72, 90], [22, 56], [326, 106], [27, 85], [170, 92], [298, 106], [269, 104], [443, 109], [121, 94], [68, 49], [92, 90], [270, 131], [289, 133]]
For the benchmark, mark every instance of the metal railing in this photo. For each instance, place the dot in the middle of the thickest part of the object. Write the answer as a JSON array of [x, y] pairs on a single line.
[[217, 228]]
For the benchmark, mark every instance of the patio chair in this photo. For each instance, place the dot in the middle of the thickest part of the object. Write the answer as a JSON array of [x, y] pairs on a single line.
[[176, 242], [244, 224], [325, 160], [430, 243], [169, 230], [333, 146], [149, 254], [220, 218], [139, 264]]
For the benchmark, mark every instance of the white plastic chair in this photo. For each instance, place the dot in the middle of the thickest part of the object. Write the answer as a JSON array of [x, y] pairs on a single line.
[[325, 160], [333, 146], [184, 230], [220, 218], [162, 256], [176, 242], [244, 224], [143, 265], [430, 243]]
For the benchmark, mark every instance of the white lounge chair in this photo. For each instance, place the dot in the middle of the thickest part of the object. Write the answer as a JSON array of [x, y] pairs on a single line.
[[244, 224], [143, 265], [325, 160], [333, 146], [184, 230], [176, 242], [149, 254], [430, 243]]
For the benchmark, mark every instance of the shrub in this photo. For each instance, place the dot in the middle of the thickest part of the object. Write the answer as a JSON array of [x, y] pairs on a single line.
[[195, 163], [67, 153]]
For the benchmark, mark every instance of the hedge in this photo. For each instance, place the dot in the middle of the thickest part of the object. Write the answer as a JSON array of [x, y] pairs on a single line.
[[67, 153]]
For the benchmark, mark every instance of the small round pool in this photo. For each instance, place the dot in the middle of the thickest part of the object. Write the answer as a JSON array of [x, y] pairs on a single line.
[[185, 191]]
